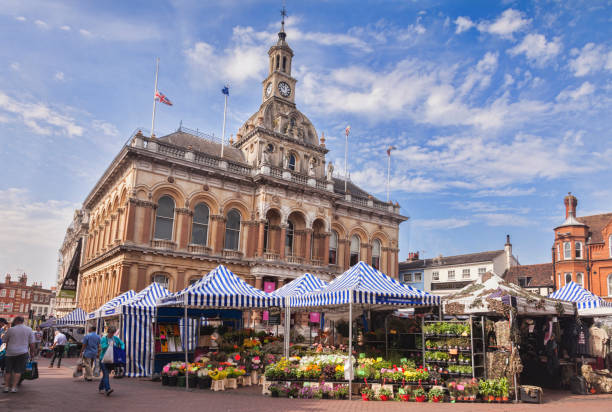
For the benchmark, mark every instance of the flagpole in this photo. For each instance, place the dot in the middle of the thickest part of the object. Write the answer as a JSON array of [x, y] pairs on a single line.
[[154, 99], [346, 159], [388, 173], [224, 117]]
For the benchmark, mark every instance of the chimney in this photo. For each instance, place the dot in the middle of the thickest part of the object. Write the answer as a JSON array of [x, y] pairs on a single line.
[[412, 256], [570, 205], [7, 279], [508, 250]]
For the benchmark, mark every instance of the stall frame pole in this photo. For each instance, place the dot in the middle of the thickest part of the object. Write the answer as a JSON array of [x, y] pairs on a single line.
[[350, 347]]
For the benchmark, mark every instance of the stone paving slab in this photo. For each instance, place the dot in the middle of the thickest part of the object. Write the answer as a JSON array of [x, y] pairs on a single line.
[[56, 390]]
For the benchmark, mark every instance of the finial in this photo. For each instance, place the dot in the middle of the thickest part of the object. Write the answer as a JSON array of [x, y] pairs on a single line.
[[283, 13]]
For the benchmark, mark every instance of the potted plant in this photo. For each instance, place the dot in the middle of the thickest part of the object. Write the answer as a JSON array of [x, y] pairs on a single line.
[[274, 390], [293, 390], [366, 393], [504, 389], [404, 393], [165, 375], [419, 394], [384, 394], [203, 378], [436, 394], [452, 391], [325, 391], [340, 392], [307, 392], [172, 377]]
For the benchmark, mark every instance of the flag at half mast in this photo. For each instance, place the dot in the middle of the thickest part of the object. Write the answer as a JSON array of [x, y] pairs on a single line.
[[389, 150], [160, 97]]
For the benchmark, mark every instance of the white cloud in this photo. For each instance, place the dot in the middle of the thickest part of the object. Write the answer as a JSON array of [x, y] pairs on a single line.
[[32, 233], [41, 24], [20, 18], [505, 192], [65, 28], [463, 24], [59, 76], [585, 89], [448, 223], [509, 22], [480, 76], [15, 66], [85, 32], [592, 58], [537, 49], [39, 117], [108, 129]]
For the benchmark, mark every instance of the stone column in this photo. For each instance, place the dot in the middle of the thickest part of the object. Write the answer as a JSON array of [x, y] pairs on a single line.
[[124, 278], [218, 232], [147, 222], [259, 282], [130, 224], [308, 247], [120, 224], [326, 249], [368, 248], [181, 283], [116, 222], [347, 253], [283, 235], [183, 217], [142, 278], [260, 238]]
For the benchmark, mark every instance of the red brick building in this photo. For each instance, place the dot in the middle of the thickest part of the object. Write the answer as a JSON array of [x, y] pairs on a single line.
[[17, 298], [536, 278], [582, 251]]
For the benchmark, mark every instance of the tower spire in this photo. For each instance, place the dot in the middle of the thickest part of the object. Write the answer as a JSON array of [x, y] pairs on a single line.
[[283, 14]]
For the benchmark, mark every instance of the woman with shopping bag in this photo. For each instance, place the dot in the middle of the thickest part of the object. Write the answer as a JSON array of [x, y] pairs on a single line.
[[112, 349]]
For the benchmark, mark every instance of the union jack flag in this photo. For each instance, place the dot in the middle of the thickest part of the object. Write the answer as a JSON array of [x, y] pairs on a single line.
[[159, 96], [347, 130]]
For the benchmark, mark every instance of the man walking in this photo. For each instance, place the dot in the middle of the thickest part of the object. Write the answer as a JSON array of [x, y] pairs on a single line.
[[58, 348], [89, 351], [19, 344], [37, 340]]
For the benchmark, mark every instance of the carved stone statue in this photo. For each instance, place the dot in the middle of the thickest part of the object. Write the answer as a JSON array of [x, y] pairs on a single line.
[[266, 157], [311, 167], [330, 171], [286, 161]]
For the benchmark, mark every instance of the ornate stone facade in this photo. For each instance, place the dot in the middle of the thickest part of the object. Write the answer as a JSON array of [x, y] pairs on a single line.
[[170, 209]]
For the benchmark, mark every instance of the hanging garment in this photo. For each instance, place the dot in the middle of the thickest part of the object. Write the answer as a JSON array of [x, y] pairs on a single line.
[[597, 343], [583, 341]]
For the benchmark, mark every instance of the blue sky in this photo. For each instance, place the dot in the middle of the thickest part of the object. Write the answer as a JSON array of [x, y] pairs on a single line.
[[497, 109]]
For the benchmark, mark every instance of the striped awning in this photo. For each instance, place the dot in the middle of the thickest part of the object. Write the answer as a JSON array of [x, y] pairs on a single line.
[[573, 292], [369, 286], [148, 296], [110, 307], [299, 286], [222, 289], [76, 317]]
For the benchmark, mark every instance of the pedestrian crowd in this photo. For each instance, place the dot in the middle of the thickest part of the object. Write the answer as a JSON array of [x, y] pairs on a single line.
[[19, 344]]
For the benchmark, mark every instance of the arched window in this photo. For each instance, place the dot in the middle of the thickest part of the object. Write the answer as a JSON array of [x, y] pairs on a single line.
[[578, 248], [579, 279], [164, 219], [266, 235], [568, 278], [232, 230], [277, 61], [289, 239], [194, 280], [284, 63], [376, 254], [355, 246], [567, 250], [161, 278], [199, 230], [292, 161], [333, 248]]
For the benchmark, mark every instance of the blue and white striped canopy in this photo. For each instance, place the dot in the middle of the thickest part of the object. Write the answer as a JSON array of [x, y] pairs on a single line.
[[369, 286], [584, 299], [76, 317], [109, 308], [299, 286], [222, 289], [148, 296]]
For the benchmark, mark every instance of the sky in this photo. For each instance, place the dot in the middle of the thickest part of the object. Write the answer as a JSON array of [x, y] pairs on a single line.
[[497, 109]]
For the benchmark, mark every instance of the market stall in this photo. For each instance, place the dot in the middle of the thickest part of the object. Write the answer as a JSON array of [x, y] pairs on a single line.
[[219, 289], [75, 318], [95, 318], [507, 316], [587, 303], [364, 288]]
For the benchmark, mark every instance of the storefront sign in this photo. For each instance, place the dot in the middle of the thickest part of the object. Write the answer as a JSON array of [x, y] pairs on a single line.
[[269, 287], [315, 317], [388, 300]]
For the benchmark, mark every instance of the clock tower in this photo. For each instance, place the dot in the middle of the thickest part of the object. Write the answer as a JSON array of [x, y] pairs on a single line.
[[279, 82]]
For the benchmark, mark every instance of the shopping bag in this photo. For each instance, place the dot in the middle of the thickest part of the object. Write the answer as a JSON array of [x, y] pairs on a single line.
[[31, 371], [78, 369], [118, 355], [109, 354]]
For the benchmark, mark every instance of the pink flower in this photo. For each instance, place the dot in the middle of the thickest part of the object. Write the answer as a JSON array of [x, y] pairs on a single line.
[[460, 387]]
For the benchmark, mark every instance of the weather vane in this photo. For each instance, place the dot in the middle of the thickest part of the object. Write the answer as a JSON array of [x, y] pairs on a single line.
[[283, 13]]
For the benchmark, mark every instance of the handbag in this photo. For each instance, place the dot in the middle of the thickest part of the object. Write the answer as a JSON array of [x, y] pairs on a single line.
[[31, 371], [118, 355], [78, 369], [109, 354]]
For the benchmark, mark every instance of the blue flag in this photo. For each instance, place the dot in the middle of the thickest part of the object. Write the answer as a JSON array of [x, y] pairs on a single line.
[[225, 90]]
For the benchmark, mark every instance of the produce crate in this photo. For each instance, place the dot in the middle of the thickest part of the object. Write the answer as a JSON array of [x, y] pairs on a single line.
[[531, 394]]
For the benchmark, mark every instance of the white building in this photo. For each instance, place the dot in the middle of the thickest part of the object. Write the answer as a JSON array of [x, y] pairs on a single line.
[[444, 275]]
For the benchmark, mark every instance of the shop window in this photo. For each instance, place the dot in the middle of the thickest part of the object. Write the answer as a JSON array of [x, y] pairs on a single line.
[[232, 230], [578, 247], [164, 219], [376, 254], [199, 231], [355, 246], [333, 248], [435, 275]]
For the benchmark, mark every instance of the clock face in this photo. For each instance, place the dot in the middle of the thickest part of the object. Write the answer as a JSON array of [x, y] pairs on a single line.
[[269, 89], [284, 89]]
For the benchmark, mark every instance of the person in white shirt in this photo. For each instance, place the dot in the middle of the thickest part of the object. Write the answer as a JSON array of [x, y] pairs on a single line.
[[19, 345], [58, 348]]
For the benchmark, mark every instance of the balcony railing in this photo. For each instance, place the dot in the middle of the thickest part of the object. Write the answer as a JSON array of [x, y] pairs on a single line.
[[232, 254], [271, 256], [299, 178], [276, 172], [163, 244], [199, 249], [295, 259], [316, 262]]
